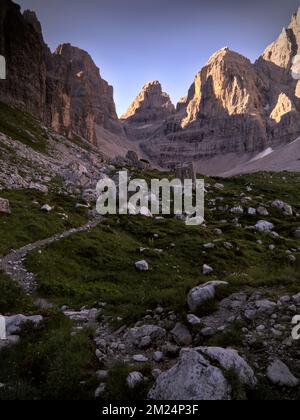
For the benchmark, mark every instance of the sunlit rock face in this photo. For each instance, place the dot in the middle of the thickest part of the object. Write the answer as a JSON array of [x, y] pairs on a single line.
[[151, 105], [235, 106], [80, 100]]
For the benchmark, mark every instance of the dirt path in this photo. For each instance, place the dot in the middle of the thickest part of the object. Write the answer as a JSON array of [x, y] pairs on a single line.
[[13, 263]]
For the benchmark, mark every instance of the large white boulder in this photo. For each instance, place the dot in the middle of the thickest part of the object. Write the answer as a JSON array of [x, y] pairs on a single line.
[[229, 359], [192, 378], [264, 226], [203, 293], [279, 374]]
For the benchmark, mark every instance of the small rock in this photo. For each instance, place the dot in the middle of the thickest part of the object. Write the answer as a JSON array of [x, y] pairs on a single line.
[[207, 270], [140, 358], [100, 390], [264, 226], [4, 206], [181, 335], [134, 379], [142, 265], [193, 319], [262, 211], [158, 356], [46, 208]]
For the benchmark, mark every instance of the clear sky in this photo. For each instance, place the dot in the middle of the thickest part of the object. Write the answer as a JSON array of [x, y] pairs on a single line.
[[135, 41]]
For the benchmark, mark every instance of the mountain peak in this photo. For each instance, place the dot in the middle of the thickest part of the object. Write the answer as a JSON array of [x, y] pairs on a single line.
[[151, 104]]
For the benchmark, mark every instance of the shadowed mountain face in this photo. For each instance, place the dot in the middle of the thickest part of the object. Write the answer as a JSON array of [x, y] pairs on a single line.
[[234, 106], [63, 89]]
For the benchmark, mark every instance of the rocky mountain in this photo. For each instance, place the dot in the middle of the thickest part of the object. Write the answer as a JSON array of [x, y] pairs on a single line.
[[234, 107], [148, 111], [150, 105], [63, 89]]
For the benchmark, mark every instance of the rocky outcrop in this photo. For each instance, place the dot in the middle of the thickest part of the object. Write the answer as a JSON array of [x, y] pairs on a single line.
[[150, 105], [26, 61], [63, 89], [80, 100], [148, 112], [192, 378]]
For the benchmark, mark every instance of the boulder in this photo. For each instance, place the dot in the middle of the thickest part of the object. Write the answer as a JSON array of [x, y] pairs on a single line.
[[135, 336], [14, 322], [181, 335], [285, 208], [192, 378], [203, 293], [142, 265], [229, 359], [4, 206], [279, 374], [264, 226]]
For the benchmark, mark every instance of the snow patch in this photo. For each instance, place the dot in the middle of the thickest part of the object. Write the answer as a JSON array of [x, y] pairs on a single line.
[[263, 154]]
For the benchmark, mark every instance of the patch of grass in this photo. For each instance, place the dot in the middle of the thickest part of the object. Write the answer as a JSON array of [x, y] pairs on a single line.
[[48, 363], [23, 127], [232, 337], [27, 223], [12, 298], [117, 388]]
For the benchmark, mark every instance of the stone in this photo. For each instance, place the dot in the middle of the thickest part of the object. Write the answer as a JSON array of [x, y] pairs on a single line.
[[46, 208], [252, 211], [228, 245], [279, 374], [158, 356], [208, 332], [102, 374], [134, 379], [207, 270], [296, 298], [100, 390], [264, 226], [297, 233], [229, 359], [142, 265], [262, 211], [140, 358], [14, 322], [193, 319], [170, 350], [237, 210], [135, 336], [285, 208], [4, 206], [203, 293], [181, 335], [145, 342], [192, 378], [265, 306]]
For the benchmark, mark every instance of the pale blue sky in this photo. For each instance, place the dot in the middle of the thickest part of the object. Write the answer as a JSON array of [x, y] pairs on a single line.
[[134, 41]]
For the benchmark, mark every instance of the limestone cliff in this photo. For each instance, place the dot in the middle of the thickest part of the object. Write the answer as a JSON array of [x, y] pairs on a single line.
[[64, 89]]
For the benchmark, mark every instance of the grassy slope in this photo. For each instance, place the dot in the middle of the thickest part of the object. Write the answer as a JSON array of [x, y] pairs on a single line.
[[23, 127], [28, 223], [99, 266]]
